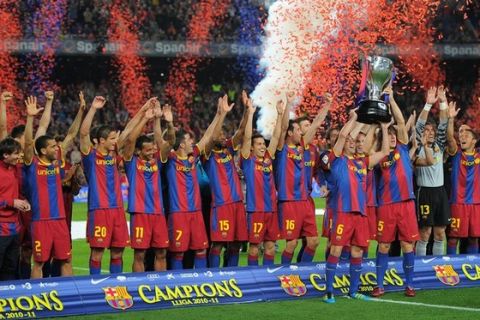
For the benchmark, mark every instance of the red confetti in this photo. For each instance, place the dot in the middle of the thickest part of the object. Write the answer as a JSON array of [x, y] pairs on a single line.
[[135, 86], [181, 84], [10, 32]]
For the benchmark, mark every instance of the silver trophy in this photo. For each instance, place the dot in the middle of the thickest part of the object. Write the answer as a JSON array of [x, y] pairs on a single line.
[[377, 75]]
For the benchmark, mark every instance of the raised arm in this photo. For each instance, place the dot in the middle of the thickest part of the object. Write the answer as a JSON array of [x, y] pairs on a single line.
[[317, 122], [402, 134], [344, 133], [6, 96], [277, 131], [46, 115], [441, 137], [247, 136], [164, 145], [238, 136], [369, 137], [32, 111], [98, 103], [129, 144], [451, 142], [376, 157], [284, 127], [206, 142], [131, 124], [75, 126]]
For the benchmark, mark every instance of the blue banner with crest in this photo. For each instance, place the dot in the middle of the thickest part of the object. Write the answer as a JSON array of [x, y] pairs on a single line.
[[175, 289]]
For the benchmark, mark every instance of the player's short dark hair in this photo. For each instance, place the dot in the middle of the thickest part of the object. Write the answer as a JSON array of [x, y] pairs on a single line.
[[17, 131], [42, 142], [302, 118], [432, 123], [291, 124], [180, 137], [141, 140], [59, 138], [103, 132], [257, 135], [9, 146], [329, 132]]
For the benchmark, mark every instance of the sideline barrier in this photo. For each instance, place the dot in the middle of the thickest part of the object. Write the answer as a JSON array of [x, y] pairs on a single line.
[[172, 289]]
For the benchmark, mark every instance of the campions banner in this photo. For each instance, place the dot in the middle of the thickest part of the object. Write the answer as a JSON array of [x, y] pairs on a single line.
[[188, 288]]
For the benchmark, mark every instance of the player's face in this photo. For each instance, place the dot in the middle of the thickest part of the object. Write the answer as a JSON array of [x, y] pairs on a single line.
[[332, 139], [188, 144], [304, 126], [51, 150], [296, 134], [221, 140], [12, 159], [392, 139], [349, 147], [429, 133], [110, 141], [360, 143], [467, 140], [259, 147], [148, 150]]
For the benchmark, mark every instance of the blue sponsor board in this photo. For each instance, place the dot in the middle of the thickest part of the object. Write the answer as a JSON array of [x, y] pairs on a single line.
[[82, 195], [188, 288]]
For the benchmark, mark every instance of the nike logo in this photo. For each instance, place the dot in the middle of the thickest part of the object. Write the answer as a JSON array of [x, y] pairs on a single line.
[[274, 269], [99, 280], [428, 260]]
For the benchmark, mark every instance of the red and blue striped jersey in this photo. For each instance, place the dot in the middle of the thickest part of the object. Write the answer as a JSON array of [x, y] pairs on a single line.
[[258, 175], [465, 178], [44, 186], [103, 177], [310, 157], [394, 175], [183, 187], [371, 186], [223, 176], [289, 173], [350, 174], [144, 185]]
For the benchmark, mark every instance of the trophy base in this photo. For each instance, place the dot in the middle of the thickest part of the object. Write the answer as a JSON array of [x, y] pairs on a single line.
[[373, 111]]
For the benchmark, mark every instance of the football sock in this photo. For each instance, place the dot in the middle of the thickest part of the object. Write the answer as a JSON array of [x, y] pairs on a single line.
[[330, 270], [308, 254], [421, 248], [287, 257], [252, 260], [438, 247], [176, 261], [355, 270], [116, 265], [408, 265], [268, 259], [95, 266], [200, 260], [382, 262], [214, 258], [233, 257]]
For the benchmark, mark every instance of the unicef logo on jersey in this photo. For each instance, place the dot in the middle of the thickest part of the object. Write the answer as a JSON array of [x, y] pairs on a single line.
[[391, 161]]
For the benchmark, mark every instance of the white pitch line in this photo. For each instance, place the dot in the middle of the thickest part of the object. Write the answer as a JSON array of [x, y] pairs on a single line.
[[426, 305], [87, 269]]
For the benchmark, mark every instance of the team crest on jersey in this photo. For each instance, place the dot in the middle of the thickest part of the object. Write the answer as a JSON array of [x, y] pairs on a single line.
[[293, 285], [224, 234], [446, 274], [191, 159], [118, 297]]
